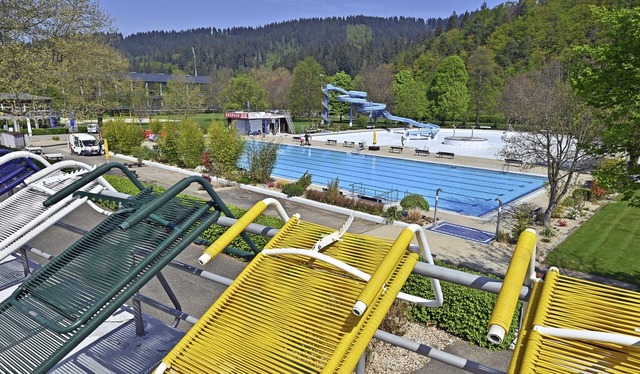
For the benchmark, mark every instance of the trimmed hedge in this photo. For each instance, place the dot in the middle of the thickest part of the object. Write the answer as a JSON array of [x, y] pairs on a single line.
[[465, 311], [48, 131]]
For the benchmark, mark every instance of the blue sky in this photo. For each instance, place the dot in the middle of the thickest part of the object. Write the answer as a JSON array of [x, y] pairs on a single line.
[[131, 16]]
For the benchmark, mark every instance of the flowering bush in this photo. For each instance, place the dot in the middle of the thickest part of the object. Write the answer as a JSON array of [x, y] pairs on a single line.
[[562, 223]]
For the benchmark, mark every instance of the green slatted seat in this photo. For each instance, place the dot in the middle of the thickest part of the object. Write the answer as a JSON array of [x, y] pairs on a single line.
[[60, 305]]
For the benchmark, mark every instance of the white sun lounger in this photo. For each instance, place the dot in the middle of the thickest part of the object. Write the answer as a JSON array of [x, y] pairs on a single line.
[[23, 214]]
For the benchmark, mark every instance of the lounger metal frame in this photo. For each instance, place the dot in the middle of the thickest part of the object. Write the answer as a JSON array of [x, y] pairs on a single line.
[[61, 304]]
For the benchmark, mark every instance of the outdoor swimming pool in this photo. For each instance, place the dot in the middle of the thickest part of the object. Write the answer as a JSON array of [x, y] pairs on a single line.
[[465, 190]]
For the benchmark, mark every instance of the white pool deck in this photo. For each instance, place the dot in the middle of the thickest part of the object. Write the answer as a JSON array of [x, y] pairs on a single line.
[[488, 149]]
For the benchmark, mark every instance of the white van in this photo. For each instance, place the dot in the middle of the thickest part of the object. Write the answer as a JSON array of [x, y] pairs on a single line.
[[84, 144], [93, 128]]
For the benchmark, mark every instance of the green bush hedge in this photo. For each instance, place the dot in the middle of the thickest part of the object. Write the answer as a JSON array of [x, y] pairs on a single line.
[[53, 131], [293, 189], [464, 313], [124, 185]]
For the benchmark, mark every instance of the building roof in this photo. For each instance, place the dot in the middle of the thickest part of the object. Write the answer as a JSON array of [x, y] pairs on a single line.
[[163, 78]]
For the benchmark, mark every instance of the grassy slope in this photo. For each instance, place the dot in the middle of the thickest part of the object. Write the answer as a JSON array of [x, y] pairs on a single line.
[[606, 245]]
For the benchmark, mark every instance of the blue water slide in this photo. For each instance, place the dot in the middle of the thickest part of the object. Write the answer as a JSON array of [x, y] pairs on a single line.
[[359, 100]]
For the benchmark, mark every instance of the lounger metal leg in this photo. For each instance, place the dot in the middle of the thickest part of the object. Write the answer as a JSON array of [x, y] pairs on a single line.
[[362, 364], [172, 296], [137, 317], [25, 262]]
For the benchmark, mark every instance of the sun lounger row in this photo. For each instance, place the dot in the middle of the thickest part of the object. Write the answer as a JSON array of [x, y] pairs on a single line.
[[310, 301]]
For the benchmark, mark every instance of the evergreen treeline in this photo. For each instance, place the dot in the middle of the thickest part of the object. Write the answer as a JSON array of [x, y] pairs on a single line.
[[339, 44]]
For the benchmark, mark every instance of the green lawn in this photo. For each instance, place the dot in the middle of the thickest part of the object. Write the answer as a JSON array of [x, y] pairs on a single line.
[[608, 245]]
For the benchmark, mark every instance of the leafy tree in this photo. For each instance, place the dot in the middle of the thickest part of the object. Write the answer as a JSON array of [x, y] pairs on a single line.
[[155, 126], [377, 82], [58, 47], [423, 67], [261, 158], [276, 84], [189, 143], [180, 96], [168, 144], [241, 90], [305, 93], [411, 100], [608, 78], [139, 100], [483, 82], [123, 137], [556, 129], [224, 148], [342, 80], [220, 79], [448, 90]]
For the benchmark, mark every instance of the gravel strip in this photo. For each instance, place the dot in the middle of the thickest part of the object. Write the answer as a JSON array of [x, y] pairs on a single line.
[[386, 358]]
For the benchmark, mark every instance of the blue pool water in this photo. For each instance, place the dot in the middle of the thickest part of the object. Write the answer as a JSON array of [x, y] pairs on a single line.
[[465, 190]]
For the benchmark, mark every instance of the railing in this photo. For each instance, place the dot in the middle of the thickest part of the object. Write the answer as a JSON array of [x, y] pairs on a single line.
[[361, 191], [287, 118]]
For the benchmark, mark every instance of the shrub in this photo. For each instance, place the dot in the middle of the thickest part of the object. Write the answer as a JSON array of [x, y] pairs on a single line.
[[333, 191], [568, 201], [327, 197], [465, 312], [581, 193], [597, 191], [55, 137], [315, 195], [392, 214], [413, 216], [261, 158], [558, 211], [502, 237], [224, 149], [305, 180], [244, 179], [293, 189], [548, 232], [525, 214], [48, 131], [573, 213], [370, 207], [413, 201]]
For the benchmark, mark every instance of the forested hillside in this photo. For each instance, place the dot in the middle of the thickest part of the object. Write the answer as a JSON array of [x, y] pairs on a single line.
[[339, 44], [452, 69]]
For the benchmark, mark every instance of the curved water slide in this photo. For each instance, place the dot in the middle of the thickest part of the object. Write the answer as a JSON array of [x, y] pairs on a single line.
[[359, 100]]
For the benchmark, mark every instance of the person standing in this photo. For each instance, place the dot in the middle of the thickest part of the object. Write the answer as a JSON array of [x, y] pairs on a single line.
[[307, 139]]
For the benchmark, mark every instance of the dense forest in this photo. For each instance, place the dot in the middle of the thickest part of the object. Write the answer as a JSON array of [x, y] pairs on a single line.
[[339, 44]]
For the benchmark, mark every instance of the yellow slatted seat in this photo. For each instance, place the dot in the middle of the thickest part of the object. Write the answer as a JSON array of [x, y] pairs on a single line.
[[576, 326], [289, 313], [569, 303]]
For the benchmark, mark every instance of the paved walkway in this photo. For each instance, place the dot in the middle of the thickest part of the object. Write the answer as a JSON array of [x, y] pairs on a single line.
[[462, 252]]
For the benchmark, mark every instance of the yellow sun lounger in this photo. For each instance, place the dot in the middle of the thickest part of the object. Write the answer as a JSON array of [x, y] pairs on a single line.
[[309, 302], [570, 325]]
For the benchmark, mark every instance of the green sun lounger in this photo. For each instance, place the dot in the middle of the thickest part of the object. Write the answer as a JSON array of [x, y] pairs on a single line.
[[60, 305]]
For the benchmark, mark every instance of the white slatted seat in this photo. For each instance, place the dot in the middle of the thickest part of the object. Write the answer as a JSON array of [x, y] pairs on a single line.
[[24, 216]]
